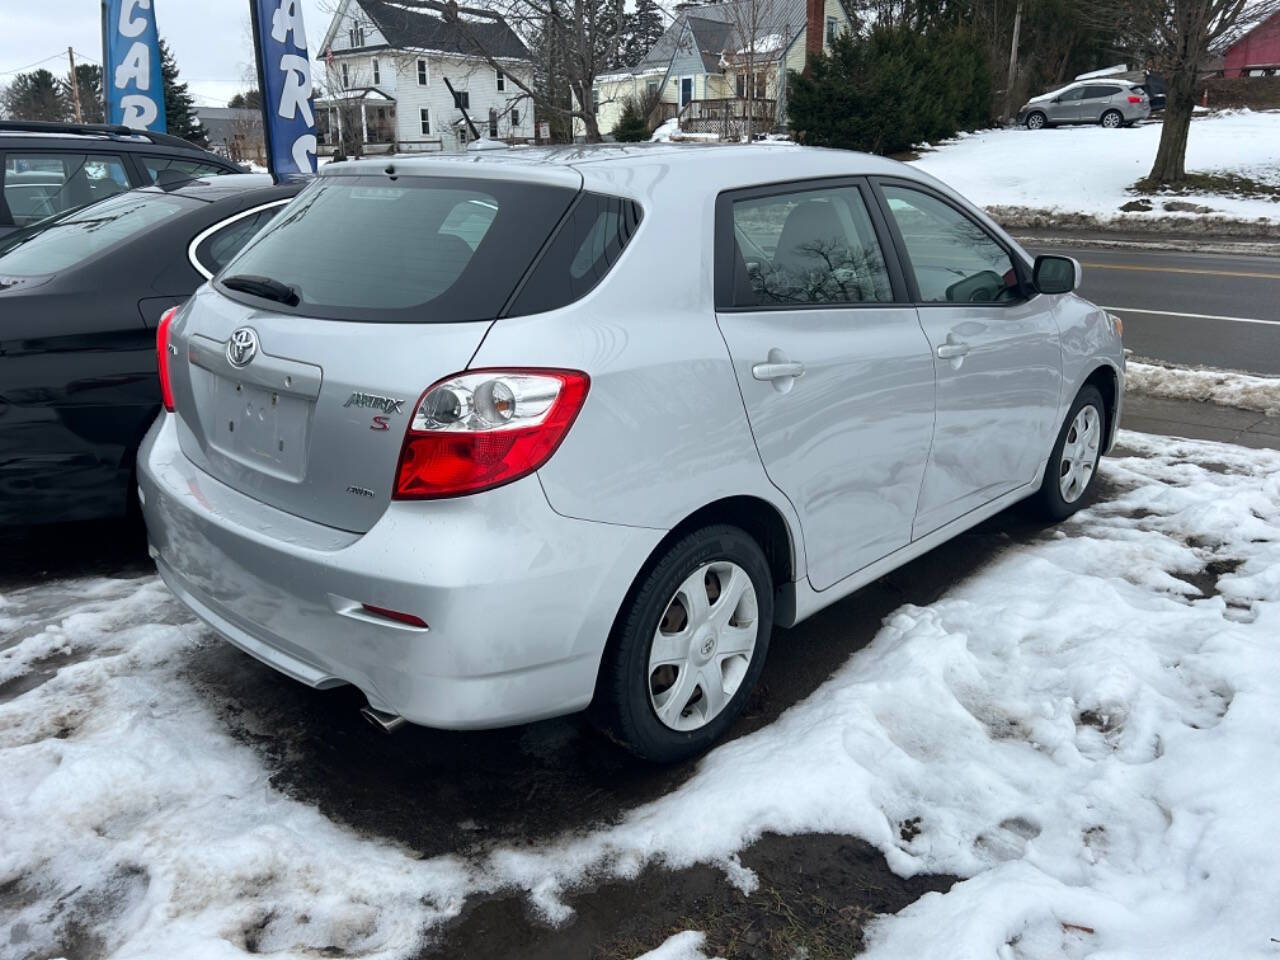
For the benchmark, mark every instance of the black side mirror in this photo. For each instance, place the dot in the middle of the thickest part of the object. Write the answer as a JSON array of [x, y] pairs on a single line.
[[1053, 274]]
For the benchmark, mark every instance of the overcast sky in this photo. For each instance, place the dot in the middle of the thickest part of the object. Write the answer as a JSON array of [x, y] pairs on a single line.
[[210, 38]]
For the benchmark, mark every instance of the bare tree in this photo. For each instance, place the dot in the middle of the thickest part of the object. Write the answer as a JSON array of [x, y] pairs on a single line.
[[1178, 38], [748, 20]]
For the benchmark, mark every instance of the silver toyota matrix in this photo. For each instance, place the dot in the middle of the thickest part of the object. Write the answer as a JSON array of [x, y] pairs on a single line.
[[514, 434]]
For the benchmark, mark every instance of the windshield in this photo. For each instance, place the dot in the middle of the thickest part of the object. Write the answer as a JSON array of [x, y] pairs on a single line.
[[58, 243], [414, 249]]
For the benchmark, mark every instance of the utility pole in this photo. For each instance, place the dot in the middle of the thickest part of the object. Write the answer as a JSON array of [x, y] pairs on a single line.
[[1013, 62], [75, 85]]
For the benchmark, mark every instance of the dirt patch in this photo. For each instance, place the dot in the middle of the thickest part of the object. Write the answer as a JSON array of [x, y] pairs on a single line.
[[1222, 184], [1206, 579], [815, 896], [1136, 222]]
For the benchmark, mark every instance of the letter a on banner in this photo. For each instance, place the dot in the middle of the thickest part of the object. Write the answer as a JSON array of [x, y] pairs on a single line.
[[131, 62], [284, 76]]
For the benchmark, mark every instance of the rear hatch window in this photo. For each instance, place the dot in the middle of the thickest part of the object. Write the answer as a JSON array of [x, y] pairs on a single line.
[[413, 249]]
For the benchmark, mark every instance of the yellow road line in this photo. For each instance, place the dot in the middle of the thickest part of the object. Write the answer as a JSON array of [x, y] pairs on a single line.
[[1210, 273]]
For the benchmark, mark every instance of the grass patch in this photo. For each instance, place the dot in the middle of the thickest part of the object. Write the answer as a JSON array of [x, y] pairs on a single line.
[[1224, 184]]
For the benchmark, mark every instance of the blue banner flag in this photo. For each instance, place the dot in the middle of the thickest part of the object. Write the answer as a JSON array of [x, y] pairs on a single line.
[[131, 65], [284, 76]]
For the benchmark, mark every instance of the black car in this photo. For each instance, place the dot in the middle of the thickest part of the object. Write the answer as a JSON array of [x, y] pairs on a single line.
[[80, 297], [46, 168]]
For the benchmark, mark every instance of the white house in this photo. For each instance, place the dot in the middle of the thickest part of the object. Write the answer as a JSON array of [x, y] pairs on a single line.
[[400, 74]]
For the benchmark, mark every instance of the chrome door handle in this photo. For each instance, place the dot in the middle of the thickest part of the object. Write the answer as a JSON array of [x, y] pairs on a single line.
[[777, 370], [952, 350]]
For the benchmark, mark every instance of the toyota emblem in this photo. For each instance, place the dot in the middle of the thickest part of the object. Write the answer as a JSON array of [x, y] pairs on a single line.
[[242, 347]]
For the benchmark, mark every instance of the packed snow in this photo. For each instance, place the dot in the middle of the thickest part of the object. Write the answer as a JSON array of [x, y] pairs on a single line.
[[1089, 170], [1225, 387], [1088, 729]]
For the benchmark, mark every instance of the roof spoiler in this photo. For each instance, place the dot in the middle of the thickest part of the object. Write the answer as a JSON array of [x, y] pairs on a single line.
[[95, 129]]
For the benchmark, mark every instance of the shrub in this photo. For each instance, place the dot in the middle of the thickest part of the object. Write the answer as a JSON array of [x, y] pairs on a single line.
[[632, 125]]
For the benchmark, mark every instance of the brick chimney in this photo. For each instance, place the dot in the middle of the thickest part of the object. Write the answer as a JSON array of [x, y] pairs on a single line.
[[814, 26]]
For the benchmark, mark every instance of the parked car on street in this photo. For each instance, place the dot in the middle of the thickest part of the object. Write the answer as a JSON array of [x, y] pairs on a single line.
[[1110, 103], [46, 168], [80, 297], [498, 437]]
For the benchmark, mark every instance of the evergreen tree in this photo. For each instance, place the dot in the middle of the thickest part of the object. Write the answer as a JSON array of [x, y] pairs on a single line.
[[179, 105], [644, 28], [89, 82], [249, 100], [632, 126], [35, 96]]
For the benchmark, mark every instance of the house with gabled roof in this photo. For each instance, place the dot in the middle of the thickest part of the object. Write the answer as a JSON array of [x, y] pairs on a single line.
[[405, 75], [719, 64]]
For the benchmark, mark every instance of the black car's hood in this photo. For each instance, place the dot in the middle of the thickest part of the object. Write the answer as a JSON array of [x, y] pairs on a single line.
[[21, 284]]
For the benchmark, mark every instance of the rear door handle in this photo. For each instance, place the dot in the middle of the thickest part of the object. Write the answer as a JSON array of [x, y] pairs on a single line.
[[778, 370], [952, 350]]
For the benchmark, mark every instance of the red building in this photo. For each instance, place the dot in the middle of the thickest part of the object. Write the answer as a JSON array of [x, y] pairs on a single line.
[[1257, 53]]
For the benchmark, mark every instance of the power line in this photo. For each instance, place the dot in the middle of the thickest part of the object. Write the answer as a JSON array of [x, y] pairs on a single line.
[[9, 73]]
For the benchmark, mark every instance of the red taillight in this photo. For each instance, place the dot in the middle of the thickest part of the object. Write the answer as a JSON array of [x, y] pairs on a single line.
[[408, 619], [1135, 99], [163, 354], [483, 428]]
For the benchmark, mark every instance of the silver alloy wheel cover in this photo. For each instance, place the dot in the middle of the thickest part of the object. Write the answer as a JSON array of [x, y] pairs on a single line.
[[710, 653], [1080, 450], [1111, 119], [1035, 121]]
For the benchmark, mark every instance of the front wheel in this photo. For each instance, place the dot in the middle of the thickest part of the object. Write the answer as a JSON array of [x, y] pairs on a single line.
[[688, 647], [1112, 120], [1074, 460], [1035, 121]]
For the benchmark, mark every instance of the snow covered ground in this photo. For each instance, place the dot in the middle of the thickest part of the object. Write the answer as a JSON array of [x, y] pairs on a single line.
[[1226, 387], [1087, 729], [1086, 169]]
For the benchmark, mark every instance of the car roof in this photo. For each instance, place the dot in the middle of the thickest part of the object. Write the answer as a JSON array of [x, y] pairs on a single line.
[[22, 134], [719, 166], [212, 189]]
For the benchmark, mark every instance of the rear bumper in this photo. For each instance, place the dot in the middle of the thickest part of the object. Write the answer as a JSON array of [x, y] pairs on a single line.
[[518, 600]]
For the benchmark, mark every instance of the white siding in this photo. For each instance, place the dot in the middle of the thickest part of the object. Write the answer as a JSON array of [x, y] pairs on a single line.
[[480, 82], [340, 29]]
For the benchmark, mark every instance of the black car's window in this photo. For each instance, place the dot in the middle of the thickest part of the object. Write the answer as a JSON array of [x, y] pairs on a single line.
[[588, 244], [216, 250], [74, 238], [39, 185], [164, 170], [415, 249], [814, 246], [955, 260]]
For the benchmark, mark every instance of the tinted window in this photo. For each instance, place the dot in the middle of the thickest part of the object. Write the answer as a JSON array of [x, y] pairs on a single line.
[[1074, 94], [164, 170], [416, 249], [74, 238], [217, 249], [584, 250], [1097, 93], [39, 185], [816, 246], [955, 260]]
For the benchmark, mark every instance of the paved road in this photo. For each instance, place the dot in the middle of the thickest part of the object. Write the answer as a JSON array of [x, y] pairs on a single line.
[[1188, 308]]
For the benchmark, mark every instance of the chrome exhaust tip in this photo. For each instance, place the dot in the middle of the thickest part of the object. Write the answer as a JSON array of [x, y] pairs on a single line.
[[386, 722]]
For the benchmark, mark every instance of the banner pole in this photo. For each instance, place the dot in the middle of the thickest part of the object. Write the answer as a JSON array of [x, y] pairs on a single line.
[[263, 98], [106, 68]]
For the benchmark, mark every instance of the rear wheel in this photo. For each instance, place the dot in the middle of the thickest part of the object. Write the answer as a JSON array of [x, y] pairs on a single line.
[[688, 647], [1112, 119], [1074, 460], [1035, 120]]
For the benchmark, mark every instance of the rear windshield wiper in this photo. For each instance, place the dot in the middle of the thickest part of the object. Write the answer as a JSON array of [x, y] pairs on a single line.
[[264, 287]]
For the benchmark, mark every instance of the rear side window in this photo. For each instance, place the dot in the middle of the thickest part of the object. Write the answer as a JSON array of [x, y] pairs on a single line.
[[39, 185], [585, 248], [414, 250], [76, 237], [166, 170], [216, 250]]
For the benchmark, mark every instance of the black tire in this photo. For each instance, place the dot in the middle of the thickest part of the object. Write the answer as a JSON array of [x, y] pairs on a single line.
[[1049, 500], [1043, 120], [1117, 124], [622, 709]]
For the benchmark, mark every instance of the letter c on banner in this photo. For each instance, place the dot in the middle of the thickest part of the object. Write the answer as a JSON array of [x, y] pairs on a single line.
[[128, 26]]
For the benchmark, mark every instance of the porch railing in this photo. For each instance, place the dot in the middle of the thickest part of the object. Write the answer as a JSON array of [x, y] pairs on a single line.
[[729, 116]]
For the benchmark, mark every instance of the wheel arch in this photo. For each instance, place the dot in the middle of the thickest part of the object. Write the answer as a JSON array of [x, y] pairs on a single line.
[[1107, 382]]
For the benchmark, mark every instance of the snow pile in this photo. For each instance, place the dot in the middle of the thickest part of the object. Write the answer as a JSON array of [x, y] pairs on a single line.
[[670, 132], [1225, 387], [1086, 169], [1088, 729]]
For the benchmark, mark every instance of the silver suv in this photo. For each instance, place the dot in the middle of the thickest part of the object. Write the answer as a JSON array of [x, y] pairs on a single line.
[[1111, 103], [504, 436]]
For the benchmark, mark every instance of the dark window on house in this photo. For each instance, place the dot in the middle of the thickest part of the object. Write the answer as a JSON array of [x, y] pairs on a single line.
[[422, 73], [346, 77], [515, 117], [595, 100], [493, 122], [502, 81], [377, 77], [651, 89], [355, 34], [833, 30], [462, 99], [424, 118], [593, 236]]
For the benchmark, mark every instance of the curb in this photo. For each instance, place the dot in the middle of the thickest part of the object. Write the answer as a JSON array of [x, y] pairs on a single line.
[[1187, 229]]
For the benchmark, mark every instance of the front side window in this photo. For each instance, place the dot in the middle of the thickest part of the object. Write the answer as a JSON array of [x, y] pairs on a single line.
[[76, 237], [1072, 95], [39, 185], [955, 260], [810, 247], [416, 249]]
